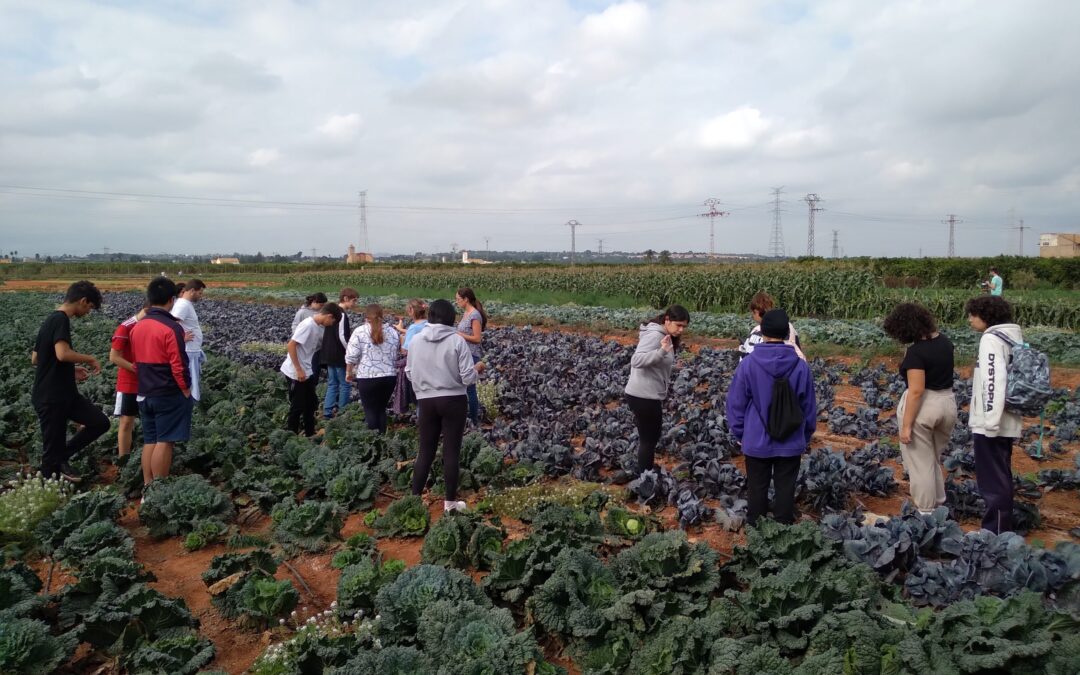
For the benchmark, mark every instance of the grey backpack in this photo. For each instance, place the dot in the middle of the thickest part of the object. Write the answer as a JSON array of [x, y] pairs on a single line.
[[1027, 378]]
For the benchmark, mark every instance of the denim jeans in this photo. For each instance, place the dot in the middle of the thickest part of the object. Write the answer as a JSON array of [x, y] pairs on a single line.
[[337, 390]]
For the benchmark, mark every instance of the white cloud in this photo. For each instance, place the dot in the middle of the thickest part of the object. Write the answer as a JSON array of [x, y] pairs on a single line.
[[739, 129], [264, 157], [341, 127]]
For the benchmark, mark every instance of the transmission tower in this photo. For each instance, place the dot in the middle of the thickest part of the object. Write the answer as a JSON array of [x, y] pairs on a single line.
[[952, 222], [776, 240], [365, 245], [712, 214], [1021, 227], [573, 239], [599, 247], [836, 243], [812, 201], [487, 244]]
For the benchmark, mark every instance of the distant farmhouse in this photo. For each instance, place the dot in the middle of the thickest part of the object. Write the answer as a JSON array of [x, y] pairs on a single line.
[[1059, 245]]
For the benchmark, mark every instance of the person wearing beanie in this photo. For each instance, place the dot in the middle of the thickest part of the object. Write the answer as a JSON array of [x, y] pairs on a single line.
[[773, 363]]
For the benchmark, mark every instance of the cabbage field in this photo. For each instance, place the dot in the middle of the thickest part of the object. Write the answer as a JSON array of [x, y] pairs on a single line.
[[278, 554]]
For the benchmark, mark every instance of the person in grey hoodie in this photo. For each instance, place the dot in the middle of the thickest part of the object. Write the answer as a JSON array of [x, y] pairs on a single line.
[[650, 375], [994, 430], [440, 366]]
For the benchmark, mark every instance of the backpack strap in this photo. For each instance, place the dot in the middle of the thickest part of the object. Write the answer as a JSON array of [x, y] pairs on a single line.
[[1008, 340]]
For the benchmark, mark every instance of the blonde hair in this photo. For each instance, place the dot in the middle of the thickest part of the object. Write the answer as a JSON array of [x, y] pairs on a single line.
[[374, 315], [416, 308]]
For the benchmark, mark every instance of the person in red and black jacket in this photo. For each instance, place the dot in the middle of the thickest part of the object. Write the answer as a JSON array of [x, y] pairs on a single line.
[[161, 364]]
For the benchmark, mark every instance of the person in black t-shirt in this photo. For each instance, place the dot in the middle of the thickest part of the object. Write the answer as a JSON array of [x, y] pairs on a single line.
[[926, 414], [55, 396]]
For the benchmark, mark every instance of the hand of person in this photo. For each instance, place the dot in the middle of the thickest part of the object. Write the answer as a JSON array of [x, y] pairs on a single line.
[[186, 392], [349, 376], [400, 325], [95, 367], [905, 435], [301, 375], [81, 374], [480, 368], [666, 345], [188, 336]]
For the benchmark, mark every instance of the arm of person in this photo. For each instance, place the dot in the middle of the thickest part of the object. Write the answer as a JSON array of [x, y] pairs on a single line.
[[809, 402], [301, 374], [176, 362], [466, 366], [915, 391], [992, 353], [477, 334], [354, 351], [33, 357], [650, 351], [408, 367], [342, 337], [117, 358], [737, 399], [65, 354]]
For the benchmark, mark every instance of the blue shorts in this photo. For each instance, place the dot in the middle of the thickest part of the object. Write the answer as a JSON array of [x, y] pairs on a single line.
[[166, 419]]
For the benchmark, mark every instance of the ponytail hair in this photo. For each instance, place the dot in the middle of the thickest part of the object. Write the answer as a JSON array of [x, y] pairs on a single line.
[[672, 313], [348, 294], [374, 315], [417, 308], [467, 293], [319, 297]]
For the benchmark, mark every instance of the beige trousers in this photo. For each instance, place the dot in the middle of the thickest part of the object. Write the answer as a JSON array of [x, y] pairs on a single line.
[[929, 436]]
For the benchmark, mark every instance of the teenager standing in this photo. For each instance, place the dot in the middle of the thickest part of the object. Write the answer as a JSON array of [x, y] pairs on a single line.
[[161, 365], [55, 395], [298, 370], [127, 382], [184, 311], [440, 366], [994, 430], [312, 304], [759, 304], [332, 355], [650, 377], [750, 405], [472, 326], [927, 411], [371, 359], [404, 396]]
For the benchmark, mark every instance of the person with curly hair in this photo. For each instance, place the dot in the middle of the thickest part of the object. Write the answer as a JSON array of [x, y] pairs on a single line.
[[994, 429], [926, 414]]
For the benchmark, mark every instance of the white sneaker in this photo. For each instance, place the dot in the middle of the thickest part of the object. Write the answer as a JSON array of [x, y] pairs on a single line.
[[453, 506]]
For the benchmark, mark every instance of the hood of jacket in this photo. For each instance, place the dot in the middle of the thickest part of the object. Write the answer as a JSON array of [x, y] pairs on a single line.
[[652, 328], [775, 358], [435, 332], [1011, 330]]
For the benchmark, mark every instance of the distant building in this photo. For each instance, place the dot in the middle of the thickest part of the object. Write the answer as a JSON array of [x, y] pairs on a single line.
[[1059, 245], [354, 258], [466, 260], [225, 261], [5, 261]]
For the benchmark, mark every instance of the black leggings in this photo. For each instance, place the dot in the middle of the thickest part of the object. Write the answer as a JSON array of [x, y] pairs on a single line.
[[648, 417], [375, 393], [445, 416], [303, 401], [54, 418], [782, 472]]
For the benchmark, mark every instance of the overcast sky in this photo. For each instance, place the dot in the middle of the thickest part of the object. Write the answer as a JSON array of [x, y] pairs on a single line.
[[256, 124]]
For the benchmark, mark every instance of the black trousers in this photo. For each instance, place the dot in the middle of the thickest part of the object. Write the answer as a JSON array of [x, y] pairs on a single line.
[[302, 404], [54, 417], [440, 416], [783, 473], [993, 475], [375, 393], [648, 417]]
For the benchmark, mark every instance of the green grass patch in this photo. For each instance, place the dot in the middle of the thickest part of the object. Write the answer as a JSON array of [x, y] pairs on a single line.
[[512, 503]]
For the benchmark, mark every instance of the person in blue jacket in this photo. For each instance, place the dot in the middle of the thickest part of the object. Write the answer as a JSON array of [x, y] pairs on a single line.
[[771, 460]]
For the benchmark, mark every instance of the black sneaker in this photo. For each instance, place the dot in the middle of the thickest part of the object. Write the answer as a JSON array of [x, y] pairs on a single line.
[[68, 473]]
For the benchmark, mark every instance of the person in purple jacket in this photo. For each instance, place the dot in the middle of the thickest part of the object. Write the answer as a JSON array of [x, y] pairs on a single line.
[[748, 399]]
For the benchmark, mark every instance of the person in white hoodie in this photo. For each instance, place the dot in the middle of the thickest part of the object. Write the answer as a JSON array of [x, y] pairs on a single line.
[[650, 376], [184, 311], [994, 429], [440, 366]]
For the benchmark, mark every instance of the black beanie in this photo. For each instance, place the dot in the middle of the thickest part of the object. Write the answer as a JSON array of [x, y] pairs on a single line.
[[775, 324]]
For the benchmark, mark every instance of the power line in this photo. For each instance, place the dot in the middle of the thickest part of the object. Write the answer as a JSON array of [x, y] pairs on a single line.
[[776, 240], [712, 214]]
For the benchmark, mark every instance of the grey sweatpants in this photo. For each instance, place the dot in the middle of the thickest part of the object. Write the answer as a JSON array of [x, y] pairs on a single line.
[[929, 435]]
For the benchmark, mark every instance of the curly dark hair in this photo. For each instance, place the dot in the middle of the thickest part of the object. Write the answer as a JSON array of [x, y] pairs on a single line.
[[993, 309], [908, 322]]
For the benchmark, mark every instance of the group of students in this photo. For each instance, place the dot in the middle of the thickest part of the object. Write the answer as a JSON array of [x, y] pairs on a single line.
[[771, 405], [158, 354]]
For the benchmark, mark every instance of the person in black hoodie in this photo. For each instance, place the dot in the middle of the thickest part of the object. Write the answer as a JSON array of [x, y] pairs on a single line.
[[332, 355]]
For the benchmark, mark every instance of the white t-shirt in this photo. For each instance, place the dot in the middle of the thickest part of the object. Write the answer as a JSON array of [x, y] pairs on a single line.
[[306, 336], [184, 311]]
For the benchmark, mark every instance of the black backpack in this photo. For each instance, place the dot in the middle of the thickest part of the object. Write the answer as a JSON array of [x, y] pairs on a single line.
[[785, 413]]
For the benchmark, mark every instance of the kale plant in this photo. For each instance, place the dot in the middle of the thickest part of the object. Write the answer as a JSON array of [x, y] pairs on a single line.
[[310, 525], [175, 505], [405, 517]]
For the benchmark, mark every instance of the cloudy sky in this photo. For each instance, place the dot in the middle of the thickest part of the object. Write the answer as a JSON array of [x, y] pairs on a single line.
[[201, 126]]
